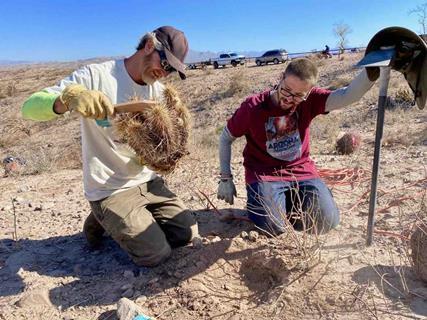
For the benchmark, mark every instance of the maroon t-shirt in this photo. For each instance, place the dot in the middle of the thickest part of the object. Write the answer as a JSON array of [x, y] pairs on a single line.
[[277, 143]]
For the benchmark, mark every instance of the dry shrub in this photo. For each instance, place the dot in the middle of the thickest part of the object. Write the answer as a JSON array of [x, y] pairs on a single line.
[[238, 85], [392, 138], [159, 134], [12, 132], [419, 250], [41, 160], [298, 228], [207, 71], [11, 89], [325, 129], [404, 98], [71, 156], [8, 90]]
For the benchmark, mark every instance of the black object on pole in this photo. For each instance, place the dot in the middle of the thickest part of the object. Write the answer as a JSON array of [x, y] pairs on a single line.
[[382, 100]]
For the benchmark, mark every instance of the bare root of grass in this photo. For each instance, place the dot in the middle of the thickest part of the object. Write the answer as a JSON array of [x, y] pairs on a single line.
[[159, 134]]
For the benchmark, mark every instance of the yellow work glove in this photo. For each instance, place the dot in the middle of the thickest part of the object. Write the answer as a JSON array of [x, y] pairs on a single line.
[[89, 103]]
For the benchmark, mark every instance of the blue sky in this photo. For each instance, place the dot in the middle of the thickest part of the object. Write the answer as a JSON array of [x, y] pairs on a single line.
[[68, 30]]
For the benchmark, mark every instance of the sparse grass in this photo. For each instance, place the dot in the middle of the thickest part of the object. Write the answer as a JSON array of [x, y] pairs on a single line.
[[8, 90], [50, 159], [12, 132], [325, 129], [238, 85]]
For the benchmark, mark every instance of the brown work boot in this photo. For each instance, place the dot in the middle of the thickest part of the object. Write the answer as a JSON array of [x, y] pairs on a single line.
[[93, 231]]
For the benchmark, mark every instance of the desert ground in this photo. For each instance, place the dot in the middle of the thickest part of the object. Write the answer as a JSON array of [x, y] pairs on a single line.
[[48, 272]]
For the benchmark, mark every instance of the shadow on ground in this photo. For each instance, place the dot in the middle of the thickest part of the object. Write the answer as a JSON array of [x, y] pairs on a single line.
[[98, 277], [397, 283]]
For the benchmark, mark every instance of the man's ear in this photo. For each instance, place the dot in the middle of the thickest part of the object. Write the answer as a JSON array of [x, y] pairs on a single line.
[[149, 46]]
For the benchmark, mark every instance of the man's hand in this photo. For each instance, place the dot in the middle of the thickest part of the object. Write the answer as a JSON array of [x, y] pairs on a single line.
[[226, 190], [89, 103]]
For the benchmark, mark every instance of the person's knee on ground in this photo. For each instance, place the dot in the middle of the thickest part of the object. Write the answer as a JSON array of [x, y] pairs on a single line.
[[152, 259], [320, 212], [93, 231], [183, 236]]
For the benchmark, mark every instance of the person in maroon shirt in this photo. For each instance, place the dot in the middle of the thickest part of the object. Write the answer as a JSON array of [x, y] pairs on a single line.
[[282, 181]]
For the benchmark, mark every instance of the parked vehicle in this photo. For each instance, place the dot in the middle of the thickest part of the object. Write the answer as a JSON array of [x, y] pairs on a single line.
[[228, 58], [198, 65], [275, 56]]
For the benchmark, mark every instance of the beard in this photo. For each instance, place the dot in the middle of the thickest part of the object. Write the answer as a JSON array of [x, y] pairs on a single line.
[[286, 105], [147, 79]]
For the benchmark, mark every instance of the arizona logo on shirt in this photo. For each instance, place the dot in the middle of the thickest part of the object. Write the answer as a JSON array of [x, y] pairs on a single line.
[[283, 138]]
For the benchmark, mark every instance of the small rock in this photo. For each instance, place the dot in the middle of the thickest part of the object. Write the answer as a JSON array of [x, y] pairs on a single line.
[[128, 293], [253, 236], [126, 286], [128, 274], [330, 300], [152, 281], [127, 309], [178, 274], [197, 242], [35, 298], [141, 299], [244, 235], [216, 239]]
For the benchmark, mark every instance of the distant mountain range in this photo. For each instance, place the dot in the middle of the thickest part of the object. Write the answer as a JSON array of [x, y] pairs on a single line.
[[192, 56], [13, 62]]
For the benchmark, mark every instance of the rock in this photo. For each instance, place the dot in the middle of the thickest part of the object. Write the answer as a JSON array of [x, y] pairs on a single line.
[[216, 239], [244, 235], [127, 309], [128, 274], [141, 300], [197, 242], [152, 281], [128, 293], [126, 286], [35, 298], [253, 236]]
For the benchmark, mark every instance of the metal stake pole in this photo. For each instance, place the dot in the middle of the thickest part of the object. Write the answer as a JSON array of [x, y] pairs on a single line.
[[382, 100]]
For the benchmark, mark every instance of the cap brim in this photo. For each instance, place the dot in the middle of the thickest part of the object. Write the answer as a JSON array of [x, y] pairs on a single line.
[[175, 63], [377, 58]]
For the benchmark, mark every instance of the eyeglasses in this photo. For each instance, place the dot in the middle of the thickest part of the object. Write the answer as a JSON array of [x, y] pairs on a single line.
[[164, 62], [296, 97]]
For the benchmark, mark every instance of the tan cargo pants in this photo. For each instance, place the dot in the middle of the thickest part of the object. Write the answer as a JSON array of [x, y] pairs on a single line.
[[146, 221]]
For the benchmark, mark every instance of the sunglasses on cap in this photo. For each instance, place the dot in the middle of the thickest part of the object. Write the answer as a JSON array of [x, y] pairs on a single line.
[[164, 62]]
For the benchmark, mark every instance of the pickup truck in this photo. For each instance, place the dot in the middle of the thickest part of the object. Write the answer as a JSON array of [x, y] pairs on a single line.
[[228, 58]]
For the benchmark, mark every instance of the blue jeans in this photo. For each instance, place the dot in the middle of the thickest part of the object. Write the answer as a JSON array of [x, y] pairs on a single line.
[[306, 205]]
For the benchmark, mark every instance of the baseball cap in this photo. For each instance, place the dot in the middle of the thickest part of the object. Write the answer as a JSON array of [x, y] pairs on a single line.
[[413, 66], [175, 47]]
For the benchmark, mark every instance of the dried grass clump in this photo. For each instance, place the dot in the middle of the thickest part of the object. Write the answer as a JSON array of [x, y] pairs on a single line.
[[238, 85], [419, 251], [403, 97], [159, 134]]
